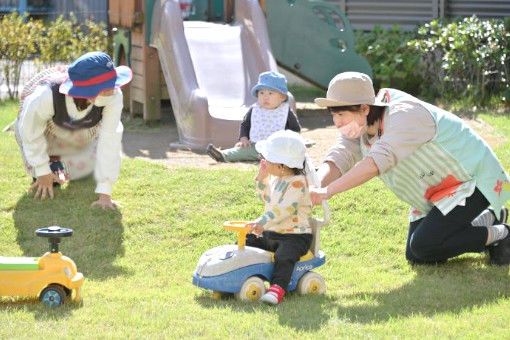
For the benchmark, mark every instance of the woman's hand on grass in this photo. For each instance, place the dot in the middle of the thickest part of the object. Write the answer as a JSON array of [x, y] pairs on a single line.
[[105, 201], [44, 185]]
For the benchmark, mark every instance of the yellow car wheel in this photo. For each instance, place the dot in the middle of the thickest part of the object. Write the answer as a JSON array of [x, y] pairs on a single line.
[[311, 283], [251, 290], [217, 295]]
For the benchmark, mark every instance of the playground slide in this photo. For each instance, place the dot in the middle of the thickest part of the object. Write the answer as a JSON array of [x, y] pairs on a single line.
[[210, 68]]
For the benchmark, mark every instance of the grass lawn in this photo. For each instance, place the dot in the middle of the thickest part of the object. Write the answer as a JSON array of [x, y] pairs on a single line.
[[138, 262]]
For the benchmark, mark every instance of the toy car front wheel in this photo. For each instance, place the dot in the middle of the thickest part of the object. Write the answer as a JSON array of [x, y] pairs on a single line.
[[53, 295], [251, 290], [311, 283]]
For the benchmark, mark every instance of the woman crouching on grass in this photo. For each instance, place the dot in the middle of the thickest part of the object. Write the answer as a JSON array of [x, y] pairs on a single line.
[[69, 126], [429, 158]]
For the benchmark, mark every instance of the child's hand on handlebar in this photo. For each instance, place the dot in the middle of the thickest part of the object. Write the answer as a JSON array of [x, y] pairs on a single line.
[[255, 228]]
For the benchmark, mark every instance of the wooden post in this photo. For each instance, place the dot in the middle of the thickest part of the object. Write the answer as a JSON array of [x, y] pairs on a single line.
[[152, 102], [152, 83]]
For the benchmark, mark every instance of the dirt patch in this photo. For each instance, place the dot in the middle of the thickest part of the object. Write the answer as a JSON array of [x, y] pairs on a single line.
[[487, 132], [154, 143]]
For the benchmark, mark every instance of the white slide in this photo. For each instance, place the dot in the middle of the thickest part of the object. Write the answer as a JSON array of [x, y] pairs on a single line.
[[210, 68]]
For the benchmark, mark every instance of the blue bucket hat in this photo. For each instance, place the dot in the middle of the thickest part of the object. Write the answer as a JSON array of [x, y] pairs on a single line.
[[271, 81], [92, 73]]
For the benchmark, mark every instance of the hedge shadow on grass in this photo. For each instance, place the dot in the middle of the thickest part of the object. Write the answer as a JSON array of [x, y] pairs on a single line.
[[98, 234], [459, 285]]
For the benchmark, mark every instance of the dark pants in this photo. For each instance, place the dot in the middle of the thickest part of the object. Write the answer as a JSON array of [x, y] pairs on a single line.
[[436, 238], [287, 248]]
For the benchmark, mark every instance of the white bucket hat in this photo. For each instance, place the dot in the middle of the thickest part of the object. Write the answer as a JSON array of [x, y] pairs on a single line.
[[350, 88], [283, 147]]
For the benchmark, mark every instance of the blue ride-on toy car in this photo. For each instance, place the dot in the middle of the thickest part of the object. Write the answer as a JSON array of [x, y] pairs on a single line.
[[243, 270]]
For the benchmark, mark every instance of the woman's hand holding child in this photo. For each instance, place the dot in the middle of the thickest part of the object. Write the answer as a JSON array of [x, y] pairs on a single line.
[[317, 195]]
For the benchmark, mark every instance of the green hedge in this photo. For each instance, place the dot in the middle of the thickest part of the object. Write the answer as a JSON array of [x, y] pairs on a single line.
[[62, 40], [394, 64], [467, 59], [464, 61]]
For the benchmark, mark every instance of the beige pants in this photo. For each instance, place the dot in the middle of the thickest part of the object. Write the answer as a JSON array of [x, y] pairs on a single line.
[[78, 163]]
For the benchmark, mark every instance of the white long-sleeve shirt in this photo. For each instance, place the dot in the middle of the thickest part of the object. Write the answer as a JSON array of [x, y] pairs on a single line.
[[38, 110]]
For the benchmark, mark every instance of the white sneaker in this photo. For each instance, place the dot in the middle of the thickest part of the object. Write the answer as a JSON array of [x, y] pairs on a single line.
[[274, 295], [269, 298]]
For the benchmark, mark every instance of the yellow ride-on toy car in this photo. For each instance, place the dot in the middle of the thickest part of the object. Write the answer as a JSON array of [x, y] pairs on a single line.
[[52, 277]]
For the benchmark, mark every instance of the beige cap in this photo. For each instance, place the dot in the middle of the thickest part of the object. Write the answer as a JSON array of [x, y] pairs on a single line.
[[350, 88]]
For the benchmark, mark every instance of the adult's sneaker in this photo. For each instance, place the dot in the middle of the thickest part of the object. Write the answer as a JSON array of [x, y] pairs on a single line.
[[499, 252], [503, 219]]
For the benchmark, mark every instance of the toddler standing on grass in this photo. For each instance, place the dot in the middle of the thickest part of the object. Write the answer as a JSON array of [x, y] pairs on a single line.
[[269, 114], [284, 227]]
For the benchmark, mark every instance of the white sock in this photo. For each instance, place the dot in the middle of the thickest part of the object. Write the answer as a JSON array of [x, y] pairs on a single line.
[[485, 219], [496, 233]]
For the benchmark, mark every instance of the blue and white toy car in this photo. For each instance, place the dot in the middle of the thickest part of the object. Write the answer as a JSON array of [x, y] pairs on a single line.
[[242, 270]]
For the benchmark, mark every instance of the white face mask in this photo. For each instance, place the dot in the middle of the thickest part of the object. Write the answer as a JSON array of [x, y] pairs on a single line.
[[102, 100], [353, 130]]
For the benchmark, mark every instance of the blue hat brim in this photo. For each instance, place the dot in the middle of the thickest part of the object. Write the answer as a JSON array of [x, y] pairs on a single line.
[[264, 87], [124, 76]]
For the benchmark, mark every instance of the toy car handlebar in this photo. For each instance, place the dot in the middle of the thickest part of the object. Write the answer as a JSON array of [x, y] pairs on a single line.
[[54, 233], [241, 229]]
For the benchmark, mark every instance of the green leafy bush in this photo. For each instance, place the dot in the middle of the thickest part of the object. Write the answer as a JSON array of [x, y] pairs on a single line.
[[466, 60], [62, 40], [394, 63], [58, 41], [18, 38], [65, 40]]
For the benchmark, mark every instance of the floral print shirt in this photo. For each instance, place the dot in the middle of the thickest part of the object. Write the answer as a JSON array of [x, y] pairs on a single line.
[[288, 204]]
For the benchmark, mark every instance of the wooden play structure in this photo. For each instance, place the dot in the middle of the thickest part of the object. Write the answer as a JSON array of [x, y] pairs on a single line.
[[132, 21], [143, 95], [205, 55]]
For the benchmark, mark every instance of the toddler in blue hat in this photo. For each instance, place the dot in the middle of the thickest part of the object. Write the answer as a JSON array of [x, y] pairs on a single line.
[[269, 114]]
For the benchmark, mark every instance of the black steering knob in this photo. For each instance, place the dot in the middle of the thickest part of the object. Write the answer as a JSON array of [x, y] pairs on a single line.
[[54, 233]]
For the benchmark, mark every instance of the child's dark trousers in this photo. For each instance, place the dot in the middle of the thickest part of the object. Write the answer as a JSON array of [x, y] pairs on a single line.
[[287, 248]]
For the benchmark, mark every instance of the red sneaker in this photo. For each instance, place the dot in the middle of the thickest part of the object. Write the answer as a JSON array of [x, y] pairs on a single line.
[[274, 295]]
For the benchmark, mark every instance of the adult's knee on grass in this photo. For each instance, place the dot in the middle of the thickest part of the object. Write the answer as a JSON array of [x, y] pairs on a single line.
[[423, 249]]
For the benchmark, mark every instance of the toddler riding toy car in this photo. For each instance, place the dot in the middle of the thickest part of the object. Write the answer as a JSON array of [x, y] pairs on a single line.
[[242, 270], [52, 277]]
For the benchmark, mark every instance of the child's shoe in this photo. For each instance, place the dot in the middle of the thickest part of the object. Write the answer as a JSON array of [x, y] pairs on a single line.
[[214, 153], [274, 295]]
